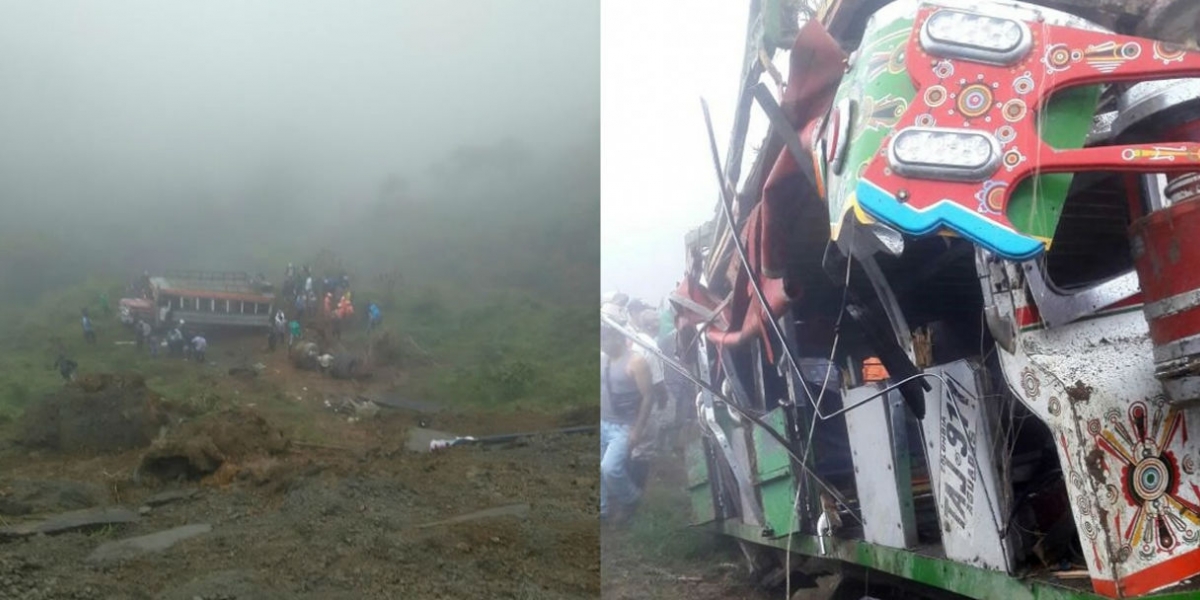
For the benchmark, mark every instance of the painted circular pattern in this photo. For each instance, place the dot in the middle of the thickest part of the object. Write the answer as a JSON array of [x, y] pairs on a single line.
[[1111, 495], [1053, 405], [924, 120], [1023, 84], [1076, 480], [1012, 158], [1085, 507], [1189, 465], [1131, 50], [1168, 52], [1030, 383], [1150, 479], [995, 202], [1128, 154], [975, 100], [1093, 427], [944, 69], [1089, 529], [1014, 110], [1006, 134], [1058, 56], [1124, 553], [935, 96]]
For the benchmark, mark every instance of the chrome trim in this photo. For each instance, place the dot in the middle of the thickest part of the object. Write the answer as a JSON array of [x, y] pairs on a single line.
[[1147, 99], [1173, 305], [1020, 11], [963, 51], [1188, 183], [1102, 128], [1058, 309], [1177, 350], [845, 113], [942, 172]]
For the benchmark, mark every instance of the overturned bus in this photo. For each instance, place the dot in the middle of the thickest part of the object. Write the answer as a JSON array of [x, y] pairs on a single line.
[[994, 201], [220, 298]]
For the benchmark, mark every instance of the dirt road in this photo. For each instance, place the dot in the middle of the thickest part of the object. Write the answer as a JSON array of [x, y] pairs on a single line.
[[321, 506]]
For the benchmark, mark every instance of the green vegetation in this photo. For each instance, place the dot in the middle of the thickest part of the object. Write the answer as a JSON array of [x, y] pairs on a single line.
[[486, 269], [660, 529]]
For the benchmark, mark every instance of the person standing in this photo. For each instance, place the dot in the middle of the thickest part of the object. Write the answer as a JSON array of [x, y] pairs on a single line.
[[199, 346], [625, 401], [374, 317], [66, 367], [89, 334], [293, 332]]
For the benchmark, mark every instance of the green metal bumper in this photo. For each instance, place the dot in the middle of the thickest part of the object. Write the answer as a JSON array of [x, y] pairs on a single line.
[[955, 577]]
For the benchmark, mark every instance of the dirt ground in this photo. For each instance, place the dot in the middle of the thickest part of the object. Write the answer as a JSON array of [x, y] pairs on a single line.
[[306, 502], [658, 556]]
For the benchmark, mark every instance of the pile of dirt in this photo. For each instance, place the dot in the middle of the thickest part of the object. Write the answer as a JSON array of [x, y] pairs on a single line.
[[98, 413], [223, 439]]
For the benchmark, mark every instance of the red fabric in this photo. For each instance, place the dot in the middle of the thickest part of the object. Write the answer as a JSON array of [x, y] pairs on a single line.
[[815, 71], [817, 64]]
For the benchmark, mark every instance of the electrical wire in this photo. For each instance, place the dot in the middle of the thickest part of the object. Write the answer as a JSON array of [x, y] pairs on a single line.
[[742, 254]]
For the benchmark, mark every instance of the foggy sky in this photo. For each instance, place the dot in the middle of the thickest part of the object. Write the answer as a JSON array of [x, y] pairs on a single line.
[[118, 103], [657, 171]]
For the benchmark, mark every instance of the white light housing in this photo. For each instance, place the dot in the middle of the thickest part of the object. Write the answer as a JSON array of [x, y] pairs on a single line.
[[970, 36], [945, 154]]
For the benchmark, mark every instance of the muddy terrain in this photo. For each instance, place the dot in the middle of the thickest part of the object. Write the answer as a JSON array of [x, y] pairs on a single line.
[[290, 485]]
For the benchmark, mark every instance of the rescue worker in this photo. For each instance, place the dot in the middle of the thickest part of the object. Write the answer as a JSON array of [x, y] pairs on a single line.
[[199, 345], [374, 317], [625, 401], [293, 332], [175, 343], [89, 334], [66, 367]]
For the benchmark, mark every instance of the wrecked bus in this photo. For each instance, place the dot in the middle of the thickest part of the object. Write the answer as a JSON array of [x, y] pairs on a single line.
[[953, 303], [219, 298]]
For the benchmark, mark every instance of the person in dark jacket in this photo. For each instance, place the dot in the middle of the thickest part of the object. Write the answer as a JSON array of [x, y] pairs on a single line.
[[66, 367]]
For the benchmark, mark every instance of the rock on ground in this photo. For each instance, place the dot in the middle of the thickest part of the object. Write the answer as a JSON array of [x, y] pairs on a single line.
[[126, 549], [71, 521]]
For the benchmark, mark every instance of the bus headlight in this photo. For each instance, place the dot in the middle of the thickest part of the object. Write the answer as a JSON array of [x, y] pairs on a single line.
[[960, 34], [945, 154]]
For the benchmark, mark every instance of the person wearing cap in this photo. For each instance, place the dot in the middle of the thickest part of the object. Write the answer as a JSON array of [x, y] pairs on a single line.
[[625, 401]]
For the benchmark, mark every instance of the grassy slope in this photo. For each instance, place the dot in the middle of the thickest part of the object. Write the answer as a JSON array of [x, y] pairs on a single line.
[[506, 350]]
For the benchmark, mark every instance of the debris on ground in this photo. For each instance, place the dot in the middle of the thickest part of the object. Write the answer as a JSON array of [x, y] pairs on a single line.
[[170, 496], [96, 413], [357, 408], [129, 548], [513, 510], [204, 446], [71, 521]]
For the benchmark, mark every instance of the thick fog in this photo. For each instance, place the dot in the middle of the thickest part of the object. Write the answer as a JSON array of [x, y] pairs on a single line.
[[241, 135]]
